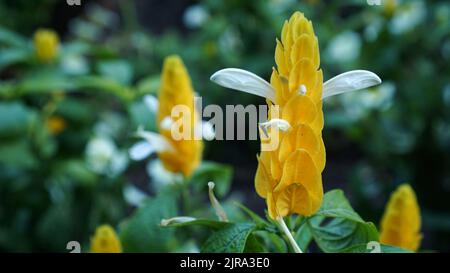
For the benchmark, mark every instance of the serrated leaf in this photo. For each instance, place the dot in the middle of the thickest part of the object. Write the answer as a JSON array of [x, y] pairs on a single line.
[[230, 239], [335, 204], [341, 233]]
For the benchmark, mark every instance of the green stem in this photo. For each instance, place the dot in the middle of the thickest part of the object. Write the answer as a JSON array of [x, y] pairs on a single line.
[[288, 234]]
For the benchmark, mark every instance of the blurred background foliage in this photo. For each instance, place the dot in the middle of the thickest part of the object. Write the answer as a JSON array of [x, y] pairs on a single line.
[[66, 126]]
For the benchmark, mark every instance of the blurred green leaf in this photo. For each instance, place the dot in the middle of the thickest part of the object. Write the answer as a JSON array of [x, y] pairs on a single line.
[[15, 119], [142, 231], [220, 174], [116, 70]]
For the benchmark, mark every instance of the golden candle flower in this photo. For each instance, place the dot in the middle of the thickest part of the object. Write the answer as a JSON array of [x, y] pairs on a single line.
[[46, 44], [105, 240], [176, 90], [400, 224], [180, 149], [289, 176]]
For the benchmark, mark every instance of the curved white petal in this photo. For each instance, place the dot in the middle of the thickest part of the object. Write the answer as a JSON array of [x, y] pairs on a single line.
[[177, 220], [350, 81], [166, 123], [245, 81], [141, 150], [158, 142], [280, 124], [151, 102], [208, 132]]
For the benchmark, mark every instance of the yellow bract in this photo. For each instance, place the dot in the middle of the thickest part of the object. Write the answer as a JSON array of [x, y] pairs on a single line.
[[289, 178], [46, 44], [176, 89], [105, 240], [56, 125], [400, 225]]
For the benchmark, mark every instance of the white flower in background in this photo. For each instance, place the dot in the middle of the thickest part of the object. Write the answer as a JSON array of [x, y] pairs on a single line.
[[160, 176], [230, 40], [372, 30], [358, 105], [195, 16], [344, 48], [133, 195], [103, 157], [407, 17]]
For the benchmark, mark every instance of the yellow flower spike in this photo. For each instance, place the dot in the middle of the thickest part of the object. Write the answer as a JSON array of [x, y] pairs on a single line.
[[176, 89], [56, 125], [400, 224], [46, 44], [105, 240], [289, 177]]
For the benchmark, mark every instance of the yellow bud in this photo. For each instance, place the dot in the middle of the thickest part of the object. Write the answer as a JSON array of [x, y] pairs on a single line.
[[400, 225], [46, 44], [105, 240], [56, 125], [176, 90]]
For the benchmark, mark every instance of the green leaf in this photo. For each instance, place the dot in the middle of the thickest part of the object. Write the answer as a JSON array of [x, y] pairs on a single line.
[[254, 245], [335, 204], [11, 38], [255, 217], [142, 231], [220, 174], [12, 56], [340, 233], [303, 236], [190, 221], [117, 70], [336, 226], [364, 248], [15, 119], [17, 153], [230, 239], [141, 115], [149, 85]]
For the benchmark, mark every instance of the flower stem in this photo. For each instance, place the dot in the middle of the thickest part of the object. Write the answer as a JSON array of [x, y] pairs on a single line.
[[288, 233]]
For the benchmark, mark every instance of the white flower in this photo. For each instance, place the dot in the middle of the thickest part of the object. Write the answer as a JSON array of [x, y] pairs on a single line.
[[103, 157], [248, 82], [345, 47], [195, 16]]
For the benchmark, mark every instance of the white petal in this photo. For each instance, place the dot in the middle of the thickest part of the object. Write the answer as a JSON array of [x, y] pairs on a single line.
[[245, 81], [280, 124], [141, 150], [350, 81], [134, 196], [208, 132], [166, 123], [177, 220], [158, 142], [220, 212], [151, 102]]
